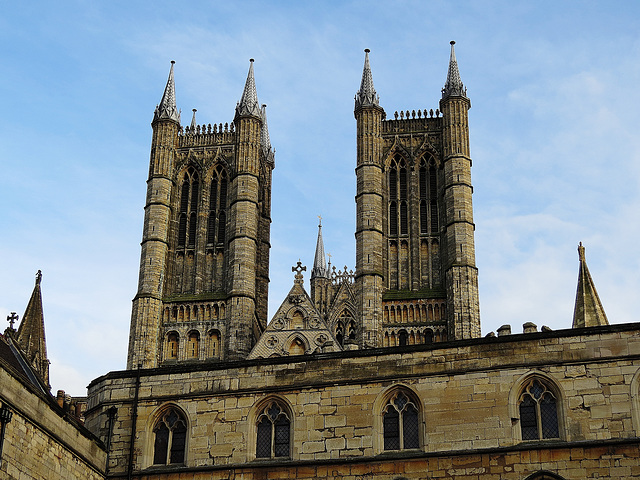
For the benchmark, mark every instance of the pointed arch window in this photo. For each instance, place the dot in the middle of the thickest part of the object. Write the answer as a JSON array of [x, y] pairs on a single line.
[[188, 214], [401, 428], [216, 226], [398, 195], [433, 198], [345, 328], [538, 411], [170, 436], [273, 427]]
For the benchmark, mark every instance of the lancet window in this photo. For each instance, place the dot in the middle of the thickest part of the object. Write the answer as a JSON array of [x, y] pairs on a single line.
[[170, 435], [538, 408], [188, 213], [398, 197], [216, 226], [173, 341], [273, 427], [401, 427], [193, 345], [428, 197], [345, 327]]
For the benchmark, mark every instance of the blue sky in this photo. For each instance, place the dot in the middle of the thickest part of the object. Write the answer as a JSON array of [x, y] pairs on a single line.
[[554, 141]]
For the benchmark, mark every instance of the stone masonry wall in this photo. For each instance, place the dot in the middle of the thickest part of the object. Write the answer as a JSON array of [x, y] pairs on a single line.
[[467, 393], [41, 444]]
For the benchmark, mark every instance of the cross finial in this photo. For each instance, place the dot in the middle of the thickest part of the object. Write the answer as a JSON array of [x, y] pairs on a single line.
[[299, 268], [13, 318]]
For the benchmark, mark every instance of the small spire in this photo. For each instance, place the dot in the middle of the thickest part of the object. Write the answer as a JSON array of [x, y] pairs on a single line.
[[30, 337], [367, 96], [193, 121], [588, 311], [319, 263], [167, 108], [265, 141], [453, 86], [248, 105]]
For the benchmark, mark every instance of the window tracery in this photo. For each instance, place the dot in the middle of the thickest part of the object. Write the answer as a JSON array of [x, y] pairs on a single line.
[[400, 423], [273, 432], [170, 435], [537, 406], [188, 213]]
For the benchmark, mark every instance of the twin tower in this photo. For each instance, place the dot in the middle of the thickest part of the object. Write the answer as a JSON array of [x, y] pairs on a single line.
[[204, 268]]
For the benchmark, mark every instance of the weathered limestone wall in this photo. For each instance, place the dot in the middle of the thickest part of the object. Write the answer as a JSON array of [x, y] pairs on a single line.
[[468, 409], [40, 443]]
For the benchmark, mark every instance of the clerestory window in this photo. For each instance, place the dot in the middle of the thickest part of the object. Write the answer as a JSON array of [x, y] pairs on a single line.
[[170, 434]]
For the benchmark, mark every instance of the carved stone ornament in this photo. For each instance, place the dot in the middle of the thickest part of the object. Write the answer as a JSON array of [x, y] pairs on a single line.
[[321, 339], [278, 324], [272, 341], [314, 323], [296, 299]]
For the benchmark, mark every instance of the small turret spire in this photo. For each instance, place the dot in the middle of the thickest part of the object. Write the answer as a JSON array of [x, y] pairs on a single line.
[[367, 96], [453, 86], [193, 121], [265, 140], [319, 263], [30, 337], [167, 108], [588, 311], [248, 105]]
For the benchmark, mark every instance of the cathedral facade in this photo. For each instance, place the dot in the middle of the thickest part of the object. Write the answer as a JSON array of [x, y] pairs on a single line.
[[377, 373]]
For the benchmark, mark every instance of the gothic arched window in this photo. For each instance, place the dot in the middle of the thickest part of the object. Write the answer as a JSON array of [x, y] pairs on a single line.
[[433, 199], [400, 423], [273, 427], [538, 410], [188, 214], [170, 436], [217, 208]]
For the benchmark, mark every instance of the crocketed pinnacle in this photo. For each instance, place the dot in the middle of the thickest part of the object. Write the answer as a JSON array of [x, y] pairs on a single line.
[[30, 335], [265, 140], [248, 105], [319, 263], [588, 311], [453, 86], [193, 121], [167, 110], [366, 96]]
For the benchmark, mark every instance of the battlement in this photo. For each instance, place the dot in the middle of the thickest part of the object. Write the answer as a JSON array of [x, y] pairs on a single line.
[[206, 135], [413, 121]]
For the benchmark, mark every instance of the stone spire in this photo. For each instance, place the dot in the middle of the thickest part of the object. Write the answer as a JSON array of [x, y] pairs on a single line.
[[193, 121], [319, 263], [453, 86], [367, 96], [248, 105], [167, 109], [588, 311], [265, 141], [30, 335]]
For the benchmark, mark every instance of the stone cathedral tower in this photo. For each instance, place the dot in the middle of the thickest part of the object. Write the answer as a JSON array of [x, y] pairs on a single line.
[[204, 267], [416, 278]]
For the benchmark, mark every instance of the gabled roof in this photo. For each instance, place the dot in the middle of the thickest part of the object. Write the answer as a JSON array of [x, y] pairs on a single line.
[[296, 326]]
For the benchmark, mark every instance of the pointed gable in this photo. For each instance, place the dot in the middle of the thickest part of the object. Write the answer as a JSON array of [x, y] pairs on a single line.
[[588, 311], [297, 328], [31, 337]]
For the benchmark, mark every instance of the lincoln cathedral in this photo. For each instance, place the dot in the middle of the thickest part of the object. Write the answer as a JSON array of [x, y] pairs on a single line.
[[377, 372]]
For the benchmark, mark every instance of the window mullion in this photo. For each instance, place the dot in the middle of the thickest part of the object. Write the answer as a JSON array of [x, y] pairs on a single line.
[[169, 445]]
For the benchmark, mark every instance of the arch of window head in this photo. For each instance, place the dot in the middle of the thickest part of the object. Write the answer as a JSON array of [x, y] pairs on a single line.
[[170, 437], [544, 475], [273, 429], [400, 420]]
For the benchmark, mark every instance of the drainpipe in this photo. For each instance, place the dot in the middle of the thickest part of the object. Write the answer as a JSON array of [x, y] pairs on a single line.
[[112, 413]]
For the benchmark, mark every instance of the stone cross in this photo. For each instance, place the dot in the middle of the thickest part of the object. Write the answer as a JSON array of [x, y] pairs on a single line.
[[13, 318], [299, 269]]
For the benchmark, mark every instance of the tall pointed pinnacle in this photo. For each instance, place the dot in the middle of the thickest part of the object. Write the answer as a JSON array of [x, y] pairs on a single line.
[[367, 96], [453, 86], [193, 121], [588, 311], [265, 140], [248, 105], [319, 263], [167, 110], [30, 335]]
